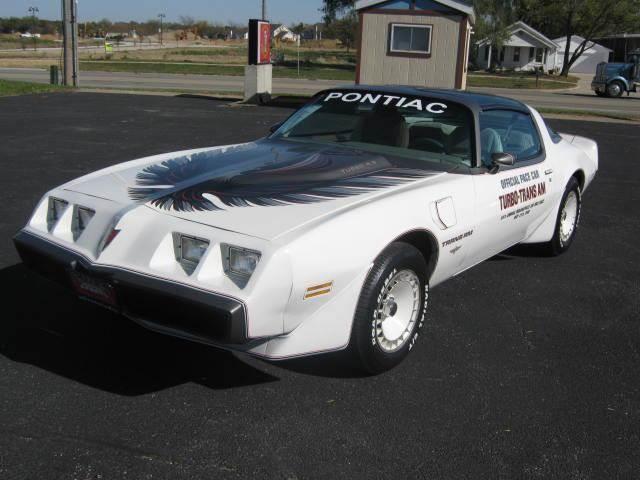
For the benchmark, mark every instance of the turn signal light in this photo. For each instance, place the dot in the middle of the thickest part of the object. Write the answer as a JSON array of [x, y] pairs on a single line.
[[106, 241]]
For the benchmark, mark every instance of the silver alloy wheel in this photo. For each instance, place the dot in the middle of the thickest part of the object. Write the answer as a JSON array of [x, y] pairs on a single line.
[[614, 89], [397, 310], [568, 217]]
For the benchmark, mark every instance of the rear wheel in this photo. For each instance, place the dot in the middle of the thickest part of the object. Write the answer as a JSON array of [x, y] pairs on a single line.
[[567, 221], [615, 89], [391, 308]]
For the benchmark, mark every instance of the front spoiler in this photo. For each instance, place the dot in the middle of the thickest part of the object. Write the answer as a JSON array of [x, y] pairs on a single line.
[[155, 303]]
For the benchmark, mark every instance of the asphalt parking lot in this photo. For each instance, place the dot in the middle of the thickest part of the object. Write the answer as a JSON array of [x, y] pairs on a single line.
[[527, 368]]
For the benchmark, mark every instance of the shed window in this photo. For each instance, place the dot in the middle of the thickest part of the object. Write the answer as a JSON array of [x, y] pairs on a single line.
[[410, 38]]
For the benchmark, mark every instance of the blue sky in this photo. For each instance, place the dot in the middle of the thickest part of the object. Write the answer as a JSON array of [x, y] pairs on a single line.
[[223, 11]]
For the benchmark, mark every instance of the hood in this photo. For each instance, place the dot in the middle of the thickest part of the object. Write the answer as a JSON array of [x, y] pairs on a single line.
[[263, 189]]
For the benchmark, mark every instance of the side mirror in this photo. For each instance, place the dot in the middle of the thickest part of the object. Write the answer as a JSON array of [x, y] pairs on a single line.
[[502, 159], [275, 127]]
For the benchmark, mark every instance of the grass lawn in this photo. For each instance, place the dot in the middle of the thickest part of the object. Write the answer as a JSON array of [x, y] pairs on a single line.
[[15, 42], [9, 88], [589, 113], [519, 80], [526, 82], [338, 72]]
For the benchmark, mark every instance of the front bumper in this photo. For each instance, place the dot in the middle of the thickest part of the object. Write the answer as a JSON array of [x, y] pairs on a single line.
[[155, 303], [599, 87]]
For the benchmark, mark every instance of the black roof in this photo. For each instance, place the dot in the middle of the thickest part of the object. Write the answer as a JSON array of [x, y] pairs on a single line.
[[476, 101]]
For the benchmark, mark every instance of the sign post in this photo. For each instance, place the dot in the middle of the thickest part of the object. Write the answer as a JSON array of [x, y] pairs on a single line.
[[258, 74]]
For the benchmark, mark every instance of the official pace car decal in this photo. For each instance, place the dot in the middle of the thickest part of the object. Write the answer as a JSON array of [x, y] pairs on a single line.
[[203, 182], [528, 187]]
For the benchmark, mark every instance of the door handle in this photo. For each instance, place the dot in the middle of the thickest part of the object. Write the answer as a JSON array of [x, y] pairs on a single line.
[[548, 172]]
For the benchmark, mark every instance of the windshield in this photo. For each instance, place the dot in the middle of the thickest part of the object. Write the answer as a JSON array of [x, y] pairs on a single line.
[[433, 131]]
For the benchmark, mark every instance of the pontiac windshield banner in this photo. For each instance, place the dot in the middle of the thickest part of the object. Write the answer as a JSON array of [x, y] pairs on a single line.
[[397, 101]]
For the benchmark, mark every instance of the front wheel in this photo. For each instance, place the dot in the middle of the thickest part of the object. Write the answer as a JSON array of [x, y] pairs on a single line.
[[567, 221], [615, 89], [391, 308]]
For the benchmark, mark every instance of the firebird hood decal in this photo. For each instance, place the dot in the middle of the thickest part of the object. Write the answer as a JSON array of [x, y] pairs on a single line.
[[283, 175]]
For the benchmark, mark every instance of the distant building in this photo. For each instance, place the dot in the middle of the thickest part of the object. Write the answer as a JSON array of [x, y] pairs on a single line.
[[414, 42], [283, 33], [526, 49], [588, 61], [621, 44]]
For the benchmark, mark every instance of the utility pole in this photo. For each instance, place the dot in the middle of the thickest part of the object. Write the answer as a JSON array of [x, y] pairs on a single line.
[[70, 42], [34, 11], [264, 9], [161, 16]]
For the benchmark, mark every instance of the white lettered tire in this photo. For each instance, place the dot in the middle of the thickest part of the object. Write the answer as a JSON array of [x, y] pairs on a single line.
[[391, 309], [568, 219]]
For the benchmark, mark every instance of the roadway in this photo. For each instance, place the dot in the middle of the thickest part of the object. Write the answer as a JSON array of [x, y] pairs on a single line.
[[179, 83], [578, 99]]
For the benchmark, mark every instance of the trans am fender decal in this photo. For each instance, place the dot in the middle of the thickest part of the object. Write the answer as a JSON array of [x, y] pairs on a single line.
[[195, 183]]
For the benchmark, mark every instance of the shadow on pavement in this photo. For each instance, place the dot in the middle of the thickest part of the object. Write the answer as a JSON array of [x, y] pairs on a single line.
[[46, 326], [330, 365], [536, 250], [281, 101]]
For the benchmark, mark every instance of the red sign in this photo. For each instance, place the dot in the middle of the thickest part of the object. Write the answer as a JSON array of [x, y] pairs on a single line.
[[259, 42], [264, 42]]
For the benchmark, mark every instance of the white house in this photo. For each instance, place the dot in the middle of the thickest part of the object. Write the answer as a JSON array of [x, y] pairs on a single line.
[[526, 49], [589, 60], [285, 34]]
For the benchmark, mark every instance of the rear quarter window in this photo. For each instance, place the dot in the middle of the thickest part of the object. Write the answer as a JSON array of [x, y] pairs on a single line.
[[555, 136]]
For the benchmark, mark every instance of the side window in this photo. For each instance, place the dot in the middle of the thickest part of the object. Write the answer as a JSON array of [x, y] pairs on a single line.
[[508, 131], [555, 136]]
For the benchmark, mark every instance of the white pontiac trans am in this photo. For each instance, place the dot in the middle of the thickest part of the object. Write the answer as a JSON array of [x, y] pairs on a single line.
[[327, 234]]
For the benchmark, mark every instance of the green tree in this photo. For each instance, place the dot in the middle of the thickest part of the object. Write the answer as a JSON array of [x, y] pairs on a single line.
[[332, 8], [298, 29], [344, 29], [590, 19], [493, 20]]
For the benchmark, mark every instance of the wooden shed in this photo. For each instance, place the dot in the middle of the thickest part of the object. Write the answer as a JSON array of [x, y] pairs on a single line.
[[414, 42]]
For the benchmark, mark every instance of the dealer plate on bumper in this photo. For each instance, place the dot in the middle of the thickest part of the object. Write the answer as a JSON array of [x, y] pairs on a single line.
[[94, 289]]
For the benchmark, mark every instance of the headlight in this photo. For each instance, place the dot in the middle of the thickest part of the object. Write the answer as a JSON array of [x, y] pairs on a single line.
[[239, 263], [193, 249], [189, 251], [81, 219], [57, 208], [243, 262]]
